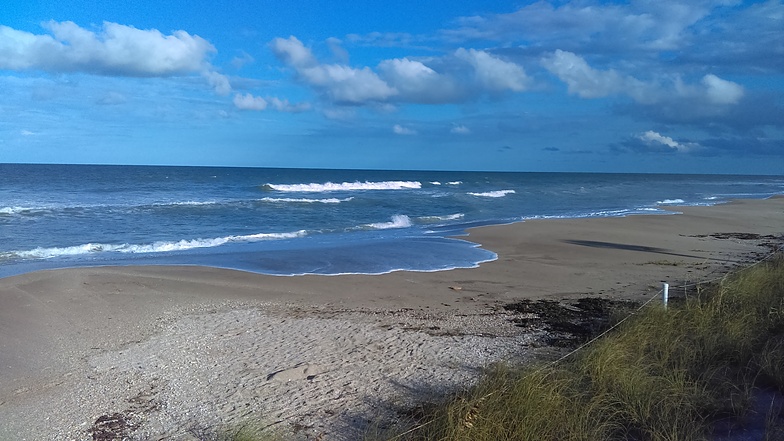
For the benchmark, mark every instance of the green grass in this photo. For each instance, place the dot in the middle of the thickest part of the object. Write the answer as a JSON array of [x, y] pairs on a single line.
[[661, 375]]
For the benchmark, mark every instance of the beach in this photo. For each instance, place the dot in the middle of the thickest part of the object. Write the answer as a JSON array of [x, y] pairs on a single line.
[[183, 352]]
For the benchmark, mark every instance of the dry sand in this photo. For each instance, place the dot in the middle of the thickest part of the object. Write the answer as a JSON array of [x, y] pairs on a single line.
[[184, 352]]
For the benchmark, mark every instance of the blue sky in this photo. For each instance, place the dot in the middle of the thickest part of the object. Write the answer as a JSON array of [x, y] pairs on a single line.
[[640, 86]]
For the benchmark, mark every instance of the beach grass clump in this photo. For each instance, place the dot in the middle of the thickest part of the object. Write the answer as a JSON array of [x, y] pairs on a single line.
[[664, 374]]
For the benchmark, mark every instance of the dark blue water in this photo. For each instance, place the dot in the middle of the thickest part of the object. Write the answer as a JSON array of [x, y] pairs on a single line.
[[293, 221]]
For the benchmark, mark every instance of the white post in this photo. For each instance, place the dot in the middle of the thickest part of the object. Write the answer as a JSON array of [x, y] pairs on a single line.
[[665, 293]]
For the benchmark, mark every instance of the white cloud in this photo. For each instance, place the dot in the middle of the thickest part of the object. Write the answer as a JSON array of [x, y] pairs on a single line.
[[494, 73], [400, 130], [285, 106], [407, 74], [339, 82], [249, 102], [457, 77], [345, 84], [581, 78], [292, 52], [115, 50], [721, 91], [460, 130], [219, 82], [416, 82], [657, 140], [587, 82], [26, 133], [711, 92]]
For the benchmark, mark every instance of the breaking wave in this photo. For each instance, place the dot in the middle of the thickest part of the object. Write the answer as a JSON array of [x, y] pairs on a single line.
[[155, 247], [344, 186], [398, 221], [16, 210], [447, 217], [670, 201], [493, 194], [306, 201]]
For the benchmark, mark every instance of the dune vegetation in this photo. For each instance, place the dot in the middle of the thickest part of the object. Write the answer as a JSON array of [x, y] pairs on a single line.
[[708, 367]]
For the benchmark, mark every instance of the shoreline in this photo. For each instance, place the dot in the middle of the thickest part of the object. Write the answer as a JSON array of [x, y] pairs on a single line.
[[195, 348]]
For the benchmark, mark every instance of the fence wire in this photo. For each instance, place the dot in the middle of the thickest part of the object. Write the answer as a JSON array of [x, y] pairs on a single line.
[[653, 297]]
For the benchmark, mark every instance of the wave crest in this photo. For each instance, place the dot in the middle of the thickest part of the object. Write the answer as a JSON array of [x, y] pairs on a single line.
[[14, 210], [344, 186], [155, 247], [306, 201], [398, 221], [493, 194], [447, 217]]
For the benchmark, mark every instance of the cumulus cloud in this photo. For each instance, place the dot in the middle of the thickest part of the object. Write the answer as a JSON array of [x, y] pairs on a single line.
[[721, 91], [114, 50], [345, 84], [292, 52], [250, 102], [742, 146], [494, 73], [587, 82], [657, 141], [456, 77], [341, 83], [400, 130], [219, 82], [416, 82]]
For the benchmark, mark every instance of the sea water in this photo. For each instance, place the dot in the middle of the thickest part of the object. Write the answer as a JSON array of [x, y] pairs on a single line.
[[295, 221]]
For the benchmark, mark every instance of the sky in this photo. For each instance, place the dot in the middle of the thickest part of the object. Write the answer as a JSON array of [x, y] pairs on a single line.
[[584, 85]]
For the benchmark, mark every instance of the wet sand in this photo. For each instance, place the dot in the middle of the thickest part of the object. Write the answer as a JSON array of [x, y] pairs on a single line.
[[184, 352]]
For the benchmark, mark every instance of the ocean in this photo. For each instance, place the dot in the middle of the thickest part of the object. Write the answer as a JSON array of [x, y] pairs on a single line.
[[294, 221]]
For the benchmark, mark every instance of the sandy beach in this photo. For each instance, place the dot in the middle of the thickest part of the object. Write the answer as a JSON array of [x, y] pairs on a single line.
[[185, 352]]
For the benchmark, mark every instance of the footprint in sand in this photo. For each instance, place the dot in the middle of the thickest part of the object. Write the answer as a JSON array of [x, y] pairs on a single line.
[[302, 371]]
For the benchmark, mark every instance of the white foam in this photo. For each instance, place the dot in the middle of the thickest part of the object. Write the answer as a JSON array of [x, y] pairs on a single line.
[[14, 210], [670, 201], [454, 182], [306, 201], [345, 186], [447, 217], [186, 203], [155, 247], [493, 194], [398, 221]]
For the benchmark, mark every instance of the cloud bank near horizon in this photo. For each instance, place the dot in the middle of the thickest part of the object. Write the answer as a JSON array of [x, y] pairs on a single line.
[[701, 79]]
